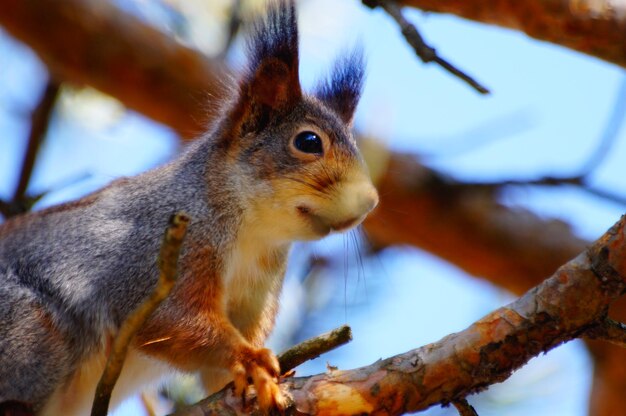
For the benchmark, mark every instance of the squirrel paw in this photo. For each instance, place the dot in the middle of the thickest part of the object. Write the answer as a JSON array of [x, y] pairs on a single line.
[[262, 367]]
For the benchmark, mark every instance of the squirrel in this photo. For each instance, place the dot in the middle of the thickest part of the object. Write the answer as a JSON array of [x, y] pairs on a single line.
[[279, 165]]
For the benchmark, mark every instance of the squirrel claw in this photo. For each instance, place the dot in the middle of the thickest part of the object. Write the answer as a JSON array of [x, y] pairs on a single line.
[[240, 381], [262, 367]]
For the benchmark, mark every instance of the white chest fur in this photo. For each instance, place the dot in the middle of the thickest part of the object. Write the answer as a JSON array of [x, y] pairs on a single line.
[[253, 280]]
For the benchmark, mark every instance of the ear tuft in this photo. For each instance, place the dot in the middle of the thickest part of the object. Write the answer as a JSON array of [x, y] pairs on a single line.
[[272, 78], [274, 37], [270, 84], [342, 90]]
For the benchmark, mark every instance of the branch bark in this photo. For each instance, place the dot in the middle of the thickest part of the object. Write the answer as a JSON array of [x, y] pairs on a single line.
[[562, 308], [594, 27]]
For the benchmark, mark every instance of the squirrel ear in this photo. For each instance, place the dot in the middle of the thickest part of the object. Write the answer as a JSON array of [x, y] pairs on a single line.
[[271, 83], [342, 90]]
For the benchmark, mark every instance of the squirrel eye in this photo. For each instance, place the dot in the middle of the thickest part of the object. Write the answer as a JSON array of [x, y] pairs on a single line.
[[308, 142]]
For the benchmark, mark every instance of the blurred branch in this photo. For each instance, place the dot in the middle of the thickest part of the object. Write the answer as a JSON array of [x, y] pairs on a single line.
[[464, 408], [5, 209], [425, 52], [467, 226], [558, 310], [610, 331], [40, 121], [92, 42], [168, 264], [496, 129], [583, 178], [597, 28], [610, 132], [578, 181]]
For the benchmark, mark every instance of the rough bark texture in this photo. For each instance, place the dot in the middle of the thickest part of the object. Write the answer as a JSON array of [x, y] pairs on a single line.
[[561, 308], [595, 27], [89, 42]]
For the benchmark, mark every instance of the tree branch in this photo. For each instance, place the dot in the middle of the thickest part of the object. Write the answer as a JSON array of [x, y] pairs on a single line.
[[609, 331], [597, 28], [314, 347], [92, 42], [425, 52], [464, 408], [558, 310], [40, 121], [168, 264]]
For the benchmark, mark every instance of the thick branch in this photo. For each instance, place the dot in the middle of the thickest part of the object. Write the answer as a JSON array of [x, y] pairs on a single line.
[[92, 42], [467, 226], [595, 27], [560, 309]]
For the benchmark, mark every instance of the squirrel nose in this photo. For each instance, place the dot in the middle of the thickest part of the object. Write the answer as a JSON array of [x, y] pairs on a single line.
[[368, 200]]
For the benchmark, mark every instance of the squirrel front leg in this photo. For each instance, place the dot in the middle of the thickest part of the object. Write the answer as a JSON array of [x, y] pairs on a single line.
[[207, 340]]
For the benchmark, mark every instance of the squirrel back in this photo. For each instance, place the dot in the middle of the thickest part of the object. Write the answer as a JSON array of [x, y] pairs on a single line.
[[278, 166]]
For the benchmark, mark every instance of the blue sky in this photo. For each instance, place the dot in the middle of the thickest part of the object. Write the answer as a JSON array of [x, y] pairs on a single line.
[[548, 109]]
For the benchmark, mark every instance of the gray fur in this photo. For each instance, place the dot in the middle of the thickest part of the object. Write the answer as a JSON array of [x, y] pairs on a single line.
[[89, 265]]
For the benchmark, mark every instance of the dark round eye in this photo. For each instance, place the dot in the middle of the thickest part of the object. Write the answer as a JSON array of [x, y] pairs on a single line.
[[308, 142]]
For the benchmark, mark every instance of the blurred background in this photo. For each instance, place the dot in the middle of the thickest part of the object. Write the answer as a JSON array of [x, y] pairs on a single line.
[[538, 164]]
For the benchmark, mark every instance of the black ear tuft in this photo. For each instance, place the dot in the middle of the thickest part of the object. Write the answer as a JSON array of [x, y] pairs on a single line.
[[271, 84], [272, 77], [274, 36], [342, 90]]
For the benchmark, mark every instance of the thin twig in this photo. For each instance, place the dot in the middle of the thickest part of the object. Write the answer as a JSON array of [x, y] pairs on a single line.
[[578, 181], [582, 178], [314, 347], [610, 132], [464, 408], [289, 359], [424, 51], [610, 331], [168, 262]]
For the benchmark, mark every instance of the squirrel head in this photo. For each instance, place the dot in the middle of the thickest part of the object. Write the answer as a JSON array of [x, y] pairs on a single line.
[[296, 161]]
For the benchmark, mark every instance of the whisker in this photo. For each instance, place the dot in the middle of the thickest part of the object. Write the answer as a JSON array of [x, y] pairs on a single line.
[[360, 262], [345, 278]]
